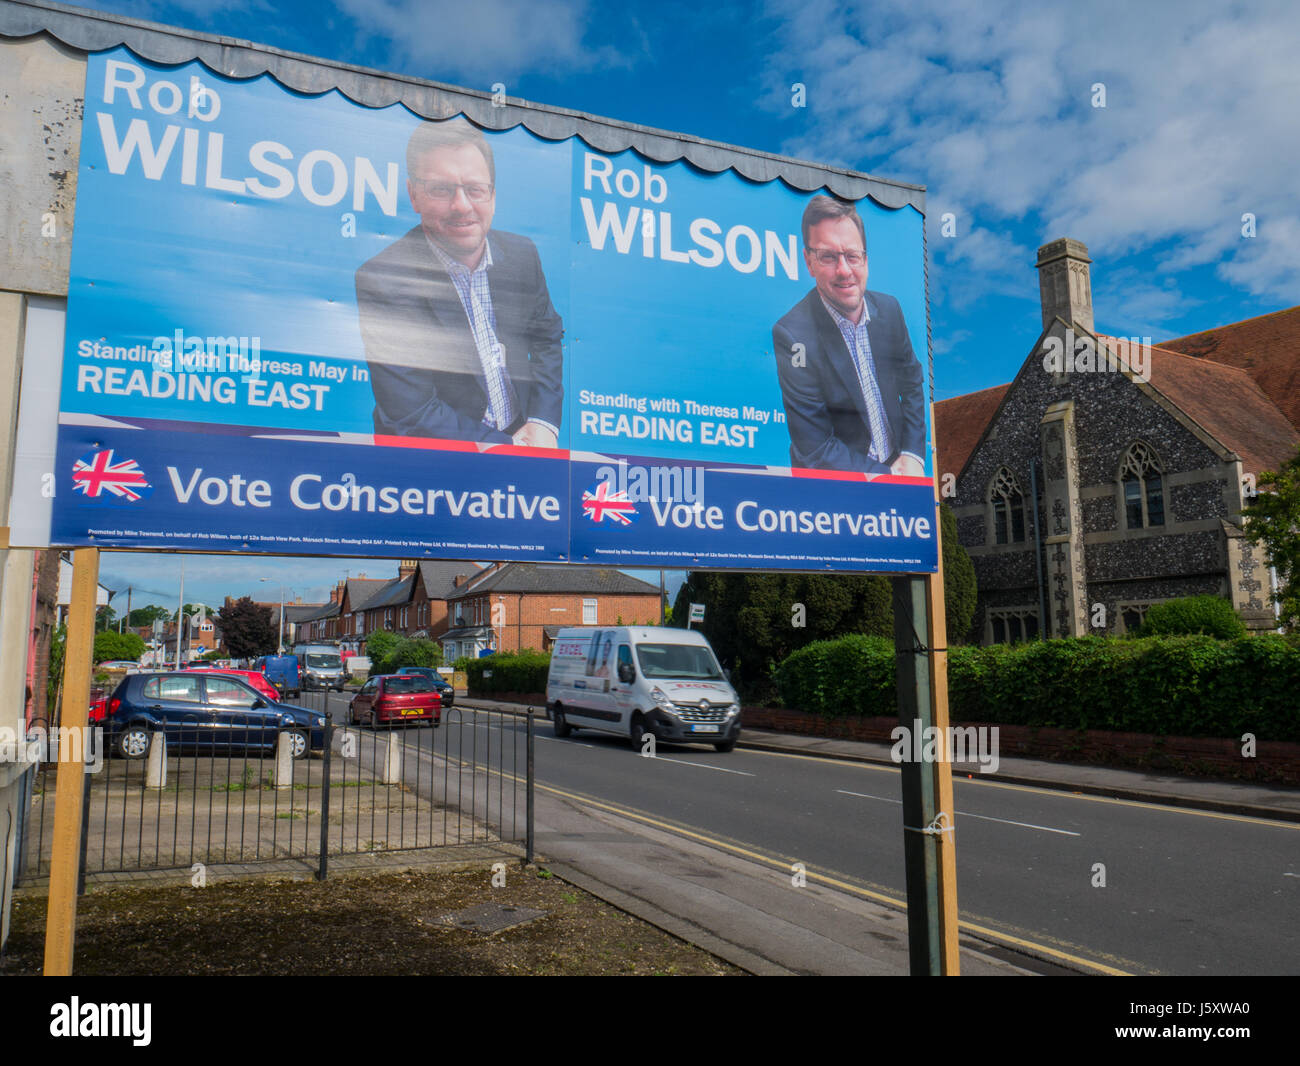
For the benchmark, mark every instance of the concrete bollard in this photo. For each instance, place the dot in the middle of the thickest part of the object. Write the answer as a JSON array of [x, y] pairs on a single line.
[[284, 761], [155, 773], [393, 761]]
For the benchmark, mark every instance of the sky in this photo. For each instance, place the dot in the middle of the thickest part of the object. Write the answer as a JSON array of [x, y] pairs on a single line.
[[995, 106]]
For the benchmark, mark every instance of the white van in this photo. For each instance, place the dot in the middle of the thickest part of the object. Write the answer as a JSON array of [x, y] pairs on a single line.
[[633, 680]]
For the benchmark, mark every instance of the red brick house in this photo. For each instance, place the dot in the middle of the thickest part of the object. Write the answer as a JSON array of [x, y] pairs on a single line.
[[512, 606]]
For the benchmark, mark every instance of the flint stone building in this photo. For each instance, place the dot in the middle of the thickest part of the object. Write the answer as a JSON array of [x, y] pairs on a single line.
[[1086, 491]]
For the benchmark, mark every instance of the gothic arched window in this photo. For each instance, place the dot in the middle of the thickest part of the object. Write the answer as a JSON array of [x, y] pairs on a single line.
[[1141, 479], [1008, 504]]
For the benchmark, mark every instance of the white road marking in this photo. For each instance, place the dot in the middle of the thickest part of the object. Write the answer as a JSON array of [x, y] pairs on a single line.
[[705, 766], [982, 817], [575, 743]]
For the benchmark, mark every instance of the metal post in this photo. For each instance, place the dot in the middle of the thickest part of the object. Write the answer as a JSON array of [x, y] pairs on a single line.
[[528, 841], [322, 870], [85, 833], [180, 616], [920, 846]]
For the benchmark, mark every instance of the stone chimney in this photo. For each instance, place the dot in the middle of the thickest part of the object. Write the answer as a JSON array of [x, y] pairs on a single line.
[[1065, 283]]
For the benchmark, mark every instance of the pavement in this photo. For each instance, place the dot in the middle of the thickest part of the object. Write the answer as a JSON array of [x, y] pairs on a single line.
[[730, 902]]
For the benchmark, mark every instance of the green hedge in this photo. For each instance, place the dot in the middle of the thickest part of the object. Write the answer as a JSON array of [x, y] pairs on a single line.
[[1211, 615], [1171, 686], [523, 671]]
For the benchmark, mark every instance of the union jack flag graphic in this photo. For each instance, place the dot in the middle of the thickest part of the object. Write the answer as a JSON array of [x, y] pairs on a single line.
[[599, 503], [98, 473]]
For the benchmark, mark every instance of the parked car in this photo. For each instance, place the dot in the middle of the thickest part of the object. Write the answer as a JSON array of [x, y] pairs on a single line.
[[205, 711], [119, 664], [445, 690], [281, 671], [252, 678], [392, 698]]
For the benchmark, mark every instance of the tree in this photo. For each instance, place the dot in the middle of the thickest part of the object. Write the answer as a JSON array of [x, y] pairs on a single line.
[[146, 616], [1273, 521], [191, 609], [754, 621], [54, 684], [379, 647], [408, 652], [105, 618], [110, 645], [959, 591], [247, 628]]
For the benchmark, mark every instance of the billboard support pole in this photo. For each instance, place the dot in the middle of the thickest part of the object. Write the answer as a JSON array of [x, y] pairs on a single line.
[[928, 852], [61, 912], [943, 797]]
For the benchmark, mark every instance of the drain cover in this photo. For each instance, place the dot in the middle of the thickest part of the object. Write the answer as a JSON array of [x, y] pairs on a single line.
[[490, 917]]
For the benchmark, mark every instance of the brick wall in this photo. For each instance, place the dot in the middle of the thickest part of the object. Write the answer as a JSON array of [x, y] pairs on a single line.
[[523, 618], [1274, 761]]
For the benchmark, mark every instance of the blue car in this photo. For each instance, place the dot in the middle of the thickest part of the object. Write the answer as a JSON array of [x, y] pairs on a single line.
[[282, 672], [205, 712]]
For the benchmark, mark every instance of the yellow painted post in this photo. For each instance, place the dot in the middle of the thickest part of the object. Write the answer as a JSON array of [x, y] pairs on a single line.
[[950, 963], [61, 915]]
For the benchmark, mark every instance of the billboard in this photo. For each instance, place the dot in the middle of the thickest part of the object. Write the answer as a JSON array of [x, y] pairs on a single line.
[[297, 324]]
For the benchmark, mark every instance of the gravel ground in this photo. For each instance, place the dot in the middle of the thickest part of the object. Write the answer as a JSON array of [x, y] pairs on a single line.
[[386, 924]]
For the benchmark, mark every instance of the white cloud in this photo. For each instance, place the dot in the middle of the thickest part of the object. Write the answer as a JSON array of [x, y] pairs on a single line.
[[483, 42], [990, 104], [1135, 304]]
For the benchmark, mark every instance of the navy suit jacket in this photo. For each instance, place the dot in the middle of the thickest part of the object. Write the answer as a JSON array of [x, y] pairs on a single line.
[[825, 410], [425, 370]]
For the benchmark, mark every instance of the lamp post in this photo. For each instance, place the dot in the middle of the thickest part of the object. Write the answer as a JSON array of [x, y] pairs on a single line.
[[279, 647]]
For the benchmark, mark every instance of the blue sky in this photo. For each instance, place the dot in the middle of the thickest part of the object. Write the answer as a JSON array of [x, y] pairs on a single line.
[[990, 104]]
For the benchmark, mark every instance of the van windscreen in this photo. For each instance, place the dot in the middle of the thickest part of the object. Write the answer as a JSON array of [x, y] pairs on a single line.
[[684, 661]]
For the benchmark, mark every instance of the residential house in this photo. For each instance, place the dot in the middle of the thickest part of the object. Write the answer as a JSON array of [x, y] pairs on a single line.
[[512, 606]]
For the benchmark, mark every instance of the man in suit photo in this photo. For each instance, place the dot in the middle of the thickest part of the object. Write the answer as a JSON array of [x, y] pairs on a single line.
[[461, 338], [853, 390]]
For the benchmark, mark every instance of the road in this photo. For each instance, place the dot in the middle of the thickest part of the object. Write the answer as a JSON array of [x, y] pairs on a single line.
[[1185, 891]]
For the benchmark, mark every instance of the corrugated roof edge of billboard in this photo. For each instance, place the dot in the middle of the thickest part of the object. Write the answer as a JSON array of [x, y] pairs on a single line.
[[97, 31]]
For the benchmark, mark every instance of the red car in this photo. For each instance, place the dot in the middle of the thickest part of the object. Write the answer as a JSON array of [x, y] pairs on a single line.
[[393, 698], [250, 677]]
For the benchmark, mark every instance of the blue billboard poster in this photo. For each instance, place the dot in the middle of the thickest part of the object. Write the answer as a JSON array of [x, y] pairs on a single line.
[[421, 337]]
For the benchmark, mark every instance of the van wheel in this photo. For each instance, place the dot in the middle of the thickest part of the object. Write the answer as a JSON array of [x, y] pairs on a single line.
[[562, 727], [637, 733]]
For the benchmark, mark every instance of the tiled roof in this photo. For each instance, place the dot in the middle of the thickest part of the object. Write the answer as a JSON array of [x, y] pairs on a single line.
[[545, 578], [439, 577], [1267, 348], [1227, 403], [393, 594], [1221, 379], [301, 612], [328, 610], [361, 590], [958, 425]]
